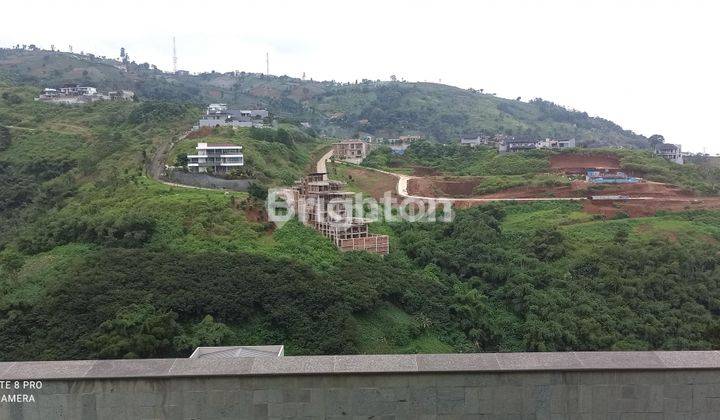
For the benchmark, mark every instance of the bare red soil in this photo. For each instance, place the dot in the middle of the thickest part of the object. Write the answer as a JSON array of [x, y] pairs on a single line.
[[372, 182], [424, 171], [643, 208], [660, 196], [201, 132], [576, 163], [443, 186], [462, 187]]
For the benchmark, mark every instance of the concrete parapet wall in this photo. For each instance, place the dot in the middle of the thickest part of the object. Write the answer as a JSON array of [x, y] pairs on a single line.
[[642, 385]]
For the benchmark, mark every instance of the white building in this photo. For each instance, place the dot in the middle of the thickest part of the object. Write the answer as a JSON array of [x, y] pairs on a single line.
[[218, 158], [556, 144], [518, 144], [216, 108], [218, 115], [75, 95], [78, 90], [521, 144], [671, 152], [476, 141]]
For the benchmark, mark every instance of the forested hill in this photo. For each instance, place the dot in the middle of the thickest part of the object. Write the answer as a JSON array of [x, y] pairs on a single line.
[[379, 108]]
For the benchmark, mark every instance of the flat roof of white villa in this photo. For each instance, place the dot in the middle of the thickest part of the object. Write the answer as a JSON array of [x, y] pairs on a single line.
[[220, 145], [362, 364]]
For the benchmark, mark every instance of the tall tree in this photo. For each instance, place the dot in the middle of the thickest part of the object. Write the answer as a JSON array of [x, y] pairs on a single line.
[[655, 140]]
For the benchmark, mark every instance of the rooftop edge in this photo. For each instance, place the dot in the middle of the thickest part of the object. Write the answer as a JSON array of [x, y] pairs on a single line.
[[360, 364]]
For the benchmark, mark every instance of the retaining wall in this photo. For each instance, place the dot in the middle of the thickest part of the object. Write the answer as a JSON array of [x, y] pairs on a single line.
[[207, 181]]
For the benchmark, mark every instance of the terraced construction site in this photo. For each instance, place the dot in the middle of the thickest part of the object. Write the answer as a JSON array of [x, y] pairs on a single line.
[[636, 199]]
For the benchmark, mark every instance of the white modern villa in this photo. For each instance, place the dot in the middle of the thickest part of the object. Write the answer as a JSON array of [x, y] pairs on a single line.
[[213, 157]]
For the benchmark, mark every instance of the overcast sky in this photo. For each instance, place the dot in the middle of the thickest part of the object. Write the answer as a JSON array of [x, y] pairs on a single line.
[[650, 66]]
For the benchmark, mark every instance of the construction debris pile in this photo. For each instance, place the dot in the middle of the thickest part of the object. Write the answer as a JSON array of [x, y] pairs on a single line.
[[323, 205]]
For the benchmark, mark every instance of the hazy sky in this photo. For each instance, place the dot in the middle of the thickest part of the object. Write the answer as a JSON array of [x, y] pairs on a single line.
[[651, 66]]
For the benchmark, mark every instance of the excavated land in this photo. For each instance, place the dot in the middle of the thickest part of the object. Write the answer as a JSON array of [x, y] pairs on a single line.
[[632, 208], [579, 162], [649, 197], [462, 187], [450, 187], [371, 182], [643, 208]]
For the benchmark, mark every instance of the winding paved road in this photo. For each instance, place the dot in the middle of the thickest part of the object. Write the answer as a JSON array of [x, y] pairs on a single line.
[[321, 166]]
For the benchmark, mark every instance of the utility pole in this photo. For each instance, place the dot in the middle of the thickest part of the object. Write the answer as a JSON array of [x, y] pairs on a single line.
[[174, 57]]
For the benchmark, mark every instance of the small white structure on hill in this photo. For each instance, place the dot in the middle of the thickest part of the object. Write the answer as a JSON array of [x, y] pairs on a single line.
[[214, 157]]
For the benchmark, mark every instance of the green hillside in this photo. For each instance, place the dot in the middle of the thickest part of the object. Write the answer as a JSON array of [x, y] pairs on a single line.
[[516, 169], [97, 260], [272, 157], [379, 108]]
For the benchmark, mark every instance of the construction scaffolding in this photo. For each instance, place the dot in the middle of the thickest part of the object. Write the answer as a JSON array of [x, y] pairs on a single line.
[[323, 205]]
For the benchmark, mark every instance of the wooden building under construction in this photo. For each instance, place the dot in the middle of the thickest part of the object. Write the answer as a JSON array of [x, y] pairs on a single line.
[[322, 204]]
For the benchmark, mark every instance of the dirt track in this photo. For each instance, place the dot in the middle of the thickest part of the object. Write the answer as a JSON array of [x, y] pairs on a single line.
[[463, 187], [644, 199]]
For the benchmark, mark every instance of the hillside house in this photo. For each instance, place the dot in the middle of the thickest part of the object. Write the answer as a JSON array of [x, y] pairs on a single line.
[[513, 144], [400, 144], [556, 144], [78, 90], [75, 95], [476, 141], [218, 115], [671, 152], [215, 158], [519, 144], [350, 150], [121, 95], [409, 139]]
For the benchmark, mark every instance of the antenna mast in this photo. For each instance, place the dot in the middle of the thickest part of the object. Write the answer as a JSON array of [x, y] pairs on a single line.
[[174, 57], [267, 63]]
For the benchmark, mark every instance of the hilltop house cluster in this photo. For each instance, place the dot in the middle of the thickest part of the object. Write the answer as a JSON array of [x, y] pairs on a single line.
[[509, 144], [219, 115], [76, 95]]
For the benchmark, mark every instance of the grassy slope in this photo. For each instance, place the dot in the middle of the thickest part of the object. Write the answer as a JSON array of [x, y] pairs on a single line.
[[503, 169], [110, 185], [273, 163], [386, 109], [106, 161]]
